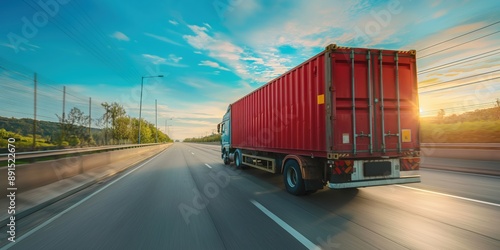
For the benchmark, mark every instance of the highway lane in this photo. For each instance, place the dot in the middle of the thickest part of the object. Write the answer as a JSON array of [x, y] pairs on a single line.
[[185, 198]]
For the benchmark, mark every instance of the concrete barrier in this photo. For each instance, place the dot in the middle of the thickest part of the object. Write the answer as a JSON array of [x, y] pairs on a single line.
[[30, 176]]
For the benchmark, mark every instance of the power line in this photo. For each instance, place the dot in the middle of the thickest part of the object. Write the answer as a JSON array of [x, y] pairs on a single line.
[[457, 86], [458, 79], [100, 33], [458, 62], [475, 39], [470, 32], [18, 73], [83, 41], [462, 107]]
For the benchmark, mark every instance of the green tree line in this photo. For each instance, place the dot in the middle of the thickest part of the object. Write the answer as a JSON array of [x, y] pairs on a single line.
[[73, 129], [210, 138]]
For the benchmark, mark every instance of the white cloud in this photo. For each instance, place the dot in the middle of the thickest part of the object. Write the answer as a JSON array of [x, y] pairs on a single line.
[[222, 49], [173, 22], [163, 39], [120, 36], [253, 59], [197, 52], [218, 47], [212, 64], [8, 45], [439, 14], [172, 60], [260, 60], [154, 59], [208, 25]]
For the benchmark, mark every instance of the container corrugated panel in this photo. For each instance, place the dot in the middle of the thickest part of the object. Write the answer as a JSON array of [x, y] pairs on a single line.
[[288, 115]]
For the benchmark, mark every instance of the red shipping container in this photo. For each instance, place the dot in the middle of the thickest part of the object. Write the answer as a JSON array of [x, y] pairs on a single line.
[[346, 118], [361, 103]]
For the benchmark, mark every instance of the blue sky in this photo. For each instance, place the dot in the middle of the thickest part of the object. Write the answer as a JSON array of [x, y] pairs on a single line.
[[213, 52]]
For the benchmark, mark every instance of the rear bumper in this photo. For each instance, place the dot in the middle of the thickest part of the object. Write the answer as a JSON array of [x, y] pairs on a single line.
[[379, 182]]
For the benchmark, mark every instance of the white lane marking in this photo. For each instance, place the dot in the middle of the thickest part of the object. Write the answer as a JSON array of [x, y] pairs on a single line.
[[307, 243], [192, 153], [452, 196], [34, 230], [208, 165]]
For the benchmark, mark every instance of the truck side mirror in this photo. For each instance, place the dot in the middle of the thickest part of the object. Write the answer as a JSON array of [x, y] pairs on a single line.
[[218, 128]]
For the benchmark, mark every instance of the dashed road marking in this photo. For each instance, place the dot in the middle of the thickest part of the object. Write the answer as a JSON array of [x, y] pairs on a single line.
[[306, 242]]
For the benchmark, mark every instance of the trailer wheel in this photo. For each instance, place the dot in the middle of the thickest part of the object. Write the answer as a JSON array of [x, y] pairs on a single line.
[[225, 157], [293, 178], [237, 159]]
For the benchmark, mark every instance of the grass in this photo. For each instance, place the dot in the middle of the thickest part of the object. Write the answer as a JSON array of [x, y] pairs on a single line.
[[461, 132], [25, 142]]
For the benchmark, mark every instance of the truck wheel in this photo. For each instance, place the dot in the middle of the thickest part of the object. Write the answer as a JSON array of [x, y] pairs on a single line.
[[225, 157], [293, 178], [237, 159]]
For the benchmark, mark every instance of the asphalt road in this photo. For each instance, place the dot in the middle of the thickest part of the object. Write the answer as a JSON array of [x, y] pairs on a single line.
[[185, 198]]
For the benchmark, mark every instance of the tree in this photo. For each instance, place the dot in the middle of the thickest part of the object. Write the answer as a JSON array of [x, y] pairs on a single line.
[[122, 128], [73, 126], [440, 115], [498, 108], [79, 121], [112, 112]]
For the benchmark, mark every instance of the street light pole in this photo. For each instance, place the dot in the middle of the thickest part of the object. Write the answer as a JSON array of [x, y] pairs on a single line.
[[156, 120], [140, 105], [166, 126]]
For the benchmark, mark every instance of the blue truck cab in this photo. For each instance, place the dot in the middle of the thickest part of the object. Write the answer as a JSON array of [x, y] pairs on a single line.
[[224, 128]]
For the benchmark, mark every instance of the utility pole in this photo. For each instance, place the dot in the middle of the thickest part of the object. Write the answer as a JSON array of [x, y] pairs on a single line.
[[90, 117], [140, 105], [34, 114], [156, 119], [106, 131], [63, 125], [64, 102]]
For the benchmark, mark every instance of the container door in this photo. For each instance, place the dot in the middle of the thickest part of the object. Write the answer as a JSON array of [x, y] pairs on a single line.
[[396, 102], [368, 86]]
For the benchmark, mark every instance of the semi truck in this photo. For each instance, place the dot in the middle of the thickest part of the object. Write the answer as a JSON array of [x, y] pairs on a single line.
[[345, 118]]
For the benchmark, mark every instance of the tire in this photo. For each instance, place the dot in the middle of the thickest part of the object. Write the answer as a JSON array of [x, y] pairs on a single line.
[[225, 157], [237, 159], [292, 177]]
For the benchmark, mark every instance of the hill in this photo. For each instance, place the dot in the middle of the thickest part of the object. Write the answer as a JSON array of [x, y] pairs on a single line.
[[24, 126]]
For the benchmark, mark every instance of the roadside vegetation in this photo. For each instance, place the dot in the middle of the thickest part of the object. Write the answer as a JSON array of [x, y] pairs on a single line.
[[479, 126], [73, 130], [210, 138]]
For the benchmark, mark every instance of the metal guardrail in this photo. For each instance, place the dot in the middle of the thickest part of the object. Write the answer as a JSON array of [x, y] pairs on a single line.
[[48, 153], [70, 151]]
